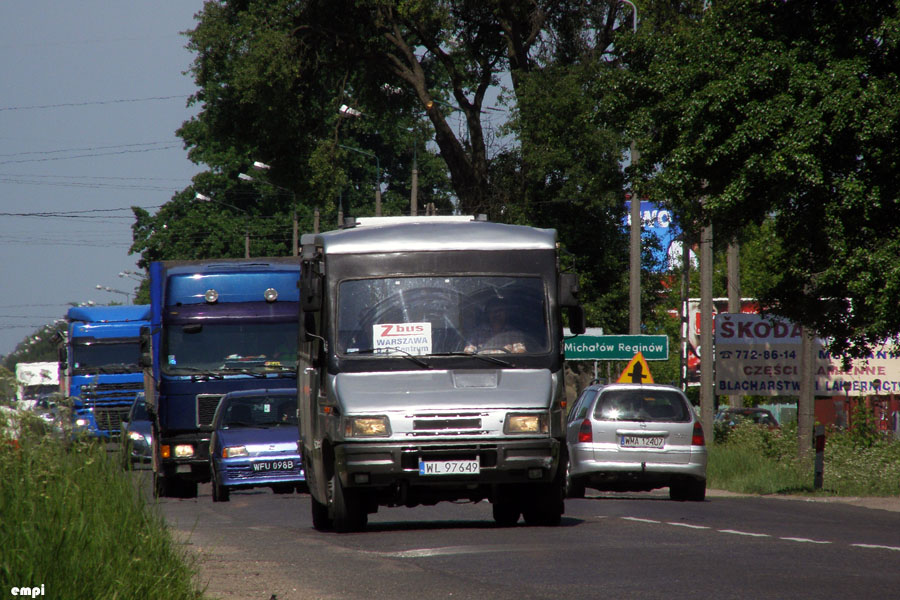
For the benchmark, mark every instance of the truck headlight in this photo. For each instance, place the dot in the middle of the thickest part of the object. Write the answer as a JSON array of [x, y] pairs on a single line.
[[525, 423], [234, 451], [367, 427], [184, 451], [82, 422]]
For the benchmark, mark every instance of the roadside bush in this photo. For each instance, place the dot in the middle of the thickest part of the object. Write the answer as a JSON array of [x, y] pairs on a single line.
[[73, 522], [756, 460]]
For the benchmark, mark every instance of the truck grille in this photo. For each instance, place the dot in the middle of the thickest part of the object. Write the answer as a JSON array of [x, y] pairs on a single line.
[[206, 408], [447, 425], [109, 419], [110, 392]]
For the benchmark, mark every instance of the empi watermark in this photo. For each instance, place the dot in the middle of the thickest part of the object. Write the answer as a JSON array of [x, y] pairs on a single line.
[[31, 592]]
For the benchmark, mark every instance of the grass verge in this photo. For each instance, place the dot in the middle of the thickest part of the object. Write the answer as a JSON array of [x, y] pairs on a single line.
[[75, 523], [754, 460]]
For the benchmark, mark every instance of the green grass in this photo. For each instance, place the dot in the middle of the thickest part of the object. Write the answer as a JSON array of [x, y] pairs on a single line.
[[73, 520], [754, 460]]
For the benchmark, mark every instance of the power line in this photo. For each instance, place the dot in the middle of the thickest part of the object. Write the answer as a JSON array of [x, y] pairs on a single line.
[[91, 148], [90, 103], [119, 152]]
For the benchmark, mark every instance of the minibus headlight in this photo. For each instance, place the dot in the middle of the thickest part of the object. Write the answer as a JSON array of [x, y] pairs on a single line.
[[525, 423], [367, 427]]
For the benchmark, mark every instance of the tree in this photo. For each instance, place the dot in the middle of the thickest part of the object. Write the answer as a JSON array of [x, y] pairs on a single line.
[[786, 112]]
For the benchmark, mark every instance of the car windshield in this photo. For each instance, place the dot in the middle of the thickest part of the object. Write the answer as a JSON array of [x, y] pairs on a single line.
[[230, 346], [121, 355], [139, 412], [642, 405], [260, 411], [421, 316]]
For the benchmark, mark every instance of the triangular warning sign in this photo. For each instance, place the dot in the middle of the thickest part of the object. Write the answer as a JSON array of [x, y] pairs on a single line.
[[637, 371]]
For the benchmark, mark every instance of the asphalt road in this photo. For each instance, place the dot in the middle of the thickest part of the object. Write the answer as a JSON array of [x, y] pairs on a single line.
[[611, 546]]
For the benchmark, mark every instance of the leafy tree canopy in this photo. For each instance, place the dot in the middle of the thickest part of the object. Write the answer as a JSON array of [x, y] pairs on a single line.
[[272, 77], [786, 112]]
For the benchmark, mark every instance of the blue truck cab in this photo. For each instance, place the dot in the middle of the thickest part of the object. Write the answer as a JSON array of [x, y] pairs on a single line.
[[217, 326], [101, 365]]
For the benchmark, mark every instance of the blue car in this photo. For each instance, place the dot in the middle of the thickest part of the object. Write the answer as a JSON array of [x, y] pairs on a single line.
[[137, 432], [254, 443]]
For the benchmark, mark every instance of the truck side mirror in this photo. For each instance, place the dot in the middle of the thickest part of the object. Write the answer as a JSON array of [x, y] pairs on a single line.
[[568, 299], [310, 286], [568, 290], [577, 321], [146, 358]]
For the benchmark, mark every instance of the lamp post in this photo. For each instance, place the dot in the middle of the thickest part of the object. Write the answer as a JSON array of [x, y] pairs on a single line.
[[132, 275], [106, 288], [377, 175], [261, 166], [203, 198]]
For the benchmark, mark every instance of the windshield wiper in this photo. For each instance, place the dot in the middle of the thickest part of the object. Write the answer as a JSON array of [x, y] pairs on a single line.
[[400, 351], [487, 357], [193, 372], [242, 371]]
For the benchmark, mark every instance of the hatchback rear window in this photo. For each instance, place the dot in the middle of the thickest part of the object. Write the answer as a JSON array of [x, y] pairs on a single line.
[[642, 405]]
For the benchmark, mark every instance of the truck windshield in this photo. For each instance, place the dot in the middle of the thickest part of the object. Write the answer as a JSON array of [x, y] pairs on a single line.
[[230, 346], [121, 354], [423, 316]]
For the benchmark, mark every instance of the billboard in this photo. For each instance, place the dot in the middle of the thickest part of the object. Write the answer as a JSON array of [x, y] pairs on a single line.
[[760, 356], [657, 222]]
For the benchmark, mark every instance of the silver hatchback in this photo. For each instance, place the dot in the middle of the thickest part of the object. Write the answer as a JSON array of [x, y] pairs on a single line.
[[632, 437]]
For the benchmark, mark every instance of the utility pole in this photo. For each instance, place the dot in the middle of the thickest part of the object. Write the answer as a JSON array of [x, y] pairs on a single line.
[[414, 192], [634, 287], [296, 237], [707, 354], [806, 401], [734, 296]]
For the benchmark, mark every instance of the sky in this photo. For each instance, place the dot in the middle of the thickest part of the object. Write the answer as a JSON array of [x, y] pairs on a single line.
[[91, 94]]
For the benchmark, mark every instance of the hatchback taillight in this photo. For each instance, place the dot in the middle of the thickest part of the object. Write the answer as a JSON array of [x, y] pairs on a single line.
[[697, 439], [585, 434]]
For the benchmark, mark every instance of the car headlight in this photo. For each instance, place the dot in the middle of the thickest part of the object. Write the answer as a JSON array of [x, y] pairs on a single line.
[[367, 427], [184, 451], [526, 423], [135, 436], [234, 451]]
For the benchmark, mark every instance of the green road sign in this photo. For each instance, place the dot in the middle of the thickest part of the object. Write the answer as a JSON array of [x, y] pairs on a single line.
[[617, 347]]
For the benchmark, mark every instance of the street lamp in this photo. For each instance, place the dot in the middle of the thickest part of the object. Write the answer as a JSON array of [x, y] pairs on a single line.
[[106, 288], [204, 198], [261, 166], [377, 175], [132, 275]]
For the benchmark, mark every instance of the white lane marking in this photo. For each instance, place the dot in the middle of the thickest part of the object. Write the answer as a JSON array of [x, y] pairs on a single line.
[[804, 540], [641, 520], [877, 547], [448, 551], [688, 525], [760, 535], [746, 533]]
